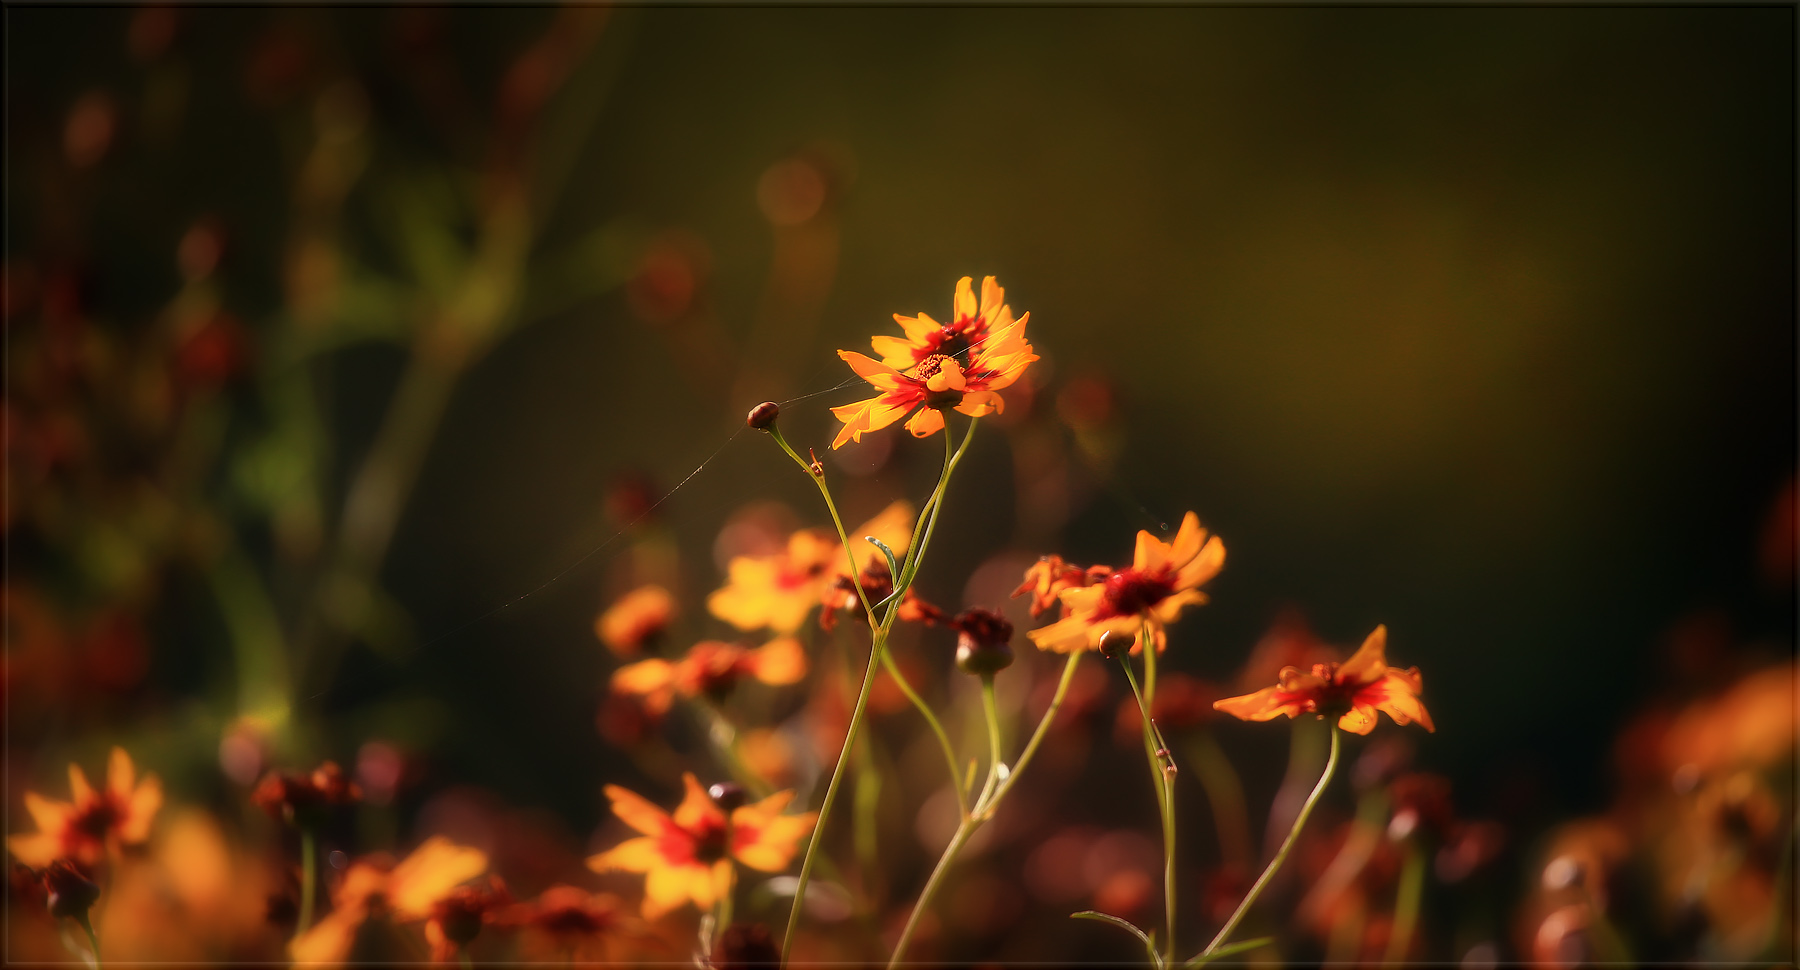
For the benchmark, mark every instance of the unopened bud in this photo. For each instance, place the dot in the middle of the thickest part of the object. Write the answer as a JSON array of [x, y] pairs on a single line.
[[728, 796], [1109, 647], [983, 642], [762, 417], [71, 893]]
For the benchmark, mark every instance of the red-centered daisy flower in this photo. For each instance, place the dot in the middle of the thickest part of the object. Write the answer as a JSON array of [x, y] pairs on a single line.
[[686, 857], [711, 669], [567, 922], [777, 592], [1050, 575], [457, 918], [1351, 692], [299, 799], [1161, 581], [635, 620], [927, 386], [410, 890], [92, 823], [969, 327]]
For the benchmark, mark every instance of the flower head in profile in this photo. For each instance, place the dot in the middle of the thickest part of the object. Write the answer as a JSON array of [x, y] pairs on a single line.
[[686, 856], [778, 592], [568, 921], [962, 365], [635, 620], [1050, 575], [711, 669], [300, 799], [1162, 580], [410, 891], [1351, 692], [457, 918], [94, 822]]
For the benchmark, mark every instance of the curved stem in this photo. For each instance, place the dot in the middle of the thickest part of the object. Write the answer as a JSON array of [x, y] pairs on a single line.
[[1037, 736], [963, 831], [1286, 845], [1162, 763], [937, 728], [309, 878]]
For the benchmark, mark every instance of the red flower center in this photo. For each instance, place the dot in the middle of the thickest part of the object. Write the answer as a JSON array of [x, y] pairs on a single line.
[[97, 819], [1130, 592], [709, 842]]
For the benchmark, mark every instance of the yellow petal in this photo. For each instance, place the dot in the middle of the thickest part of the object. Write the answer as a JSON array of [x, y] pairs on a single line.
[[697, 807], [634, 810], [980, 404], [140, 810], [120, 775], [780, 661], [964, 305], [927, 422], [1369, 663], [329, 940], [37, 849], [896, 352], [80, 792], [641, 854], [434, 868], [643, 677], [874, 371], [892, 525]]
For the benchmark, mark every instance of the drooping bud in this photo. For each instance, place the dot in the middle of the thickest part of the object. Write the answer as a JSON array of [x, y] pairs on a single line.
[[70, 892], [983, 642], [728, 796], [1109, 645], [762, 417]]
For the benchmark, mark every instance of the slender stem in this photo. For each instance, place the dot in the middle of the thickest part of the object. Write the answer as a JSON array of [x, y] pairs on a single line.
[[963, 830], [309, 878], [1037, 737], [1406, 905], [937, 728], [1226, 793], [1156, 750], [93, 938], [993, 721], [1286, 845], [837, 520]]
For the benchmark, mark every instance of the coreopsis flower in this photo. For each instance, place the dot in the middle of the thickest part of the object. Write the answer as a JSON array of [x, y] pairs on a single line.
[[687, 856], [299, 799], [569, 921], [961, 365], [878, 584], [1162, 580], [1050, 575], [777, 592], [1351, 692], [457, 918], [410, 891], [711, 669], [93, 823], [635, 620], [969, 327]]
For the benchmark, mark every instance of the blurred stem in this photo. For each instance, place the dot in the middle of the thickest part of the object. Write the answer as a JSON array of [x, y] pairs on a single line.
[[255, 631], [1226, 793], [87, 925], [309, 879], [988, 804], [937, 727], [868, 802], [1157, 751], [1286, 845], [724, 735], [1406, 905], [993, 732]]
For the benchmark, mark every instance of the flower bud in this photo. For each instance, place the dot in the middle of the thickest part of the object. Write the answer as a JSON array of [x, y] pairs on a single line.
[[1109, 646], [728, 796], [983, 643], [744, 946], [762, 417], [71, 893]]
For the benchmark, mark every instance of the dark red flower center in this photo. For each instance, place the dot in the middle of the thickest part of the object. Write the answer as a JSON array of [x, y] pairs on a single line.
[[953, 342], [710, 842], [97, 819], [1130, 592]]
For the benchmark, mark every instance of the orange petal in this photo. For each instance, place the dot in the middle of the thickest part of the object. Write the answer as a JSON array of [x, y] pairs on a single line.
[[643, 677], [1270, 702], [964, 303], [896, 352], [980, 404], [140, 810], [641, 854], [80, 792], [37, 849], [892, 525], [697, 807], [1369, 663], [992, 297], [927, 422], [636, 811], [1203, 567], [780, 661], [329, 940], [434, 868], [874, 371], [121, 775], [919, 329]]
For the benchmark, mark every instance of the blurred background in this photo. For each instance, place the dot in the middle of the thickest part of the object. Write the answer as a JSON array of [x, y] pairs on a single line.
[[357, 358]]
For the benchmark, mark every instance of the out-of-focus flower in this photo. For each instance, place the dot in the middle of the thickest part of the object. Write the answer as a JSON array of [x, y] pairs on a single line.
[[746, 946], [1351, 692], [92, 823], [570, 921], [1050, 575], [1162, 580], [410, 891], [68, 891], [961, 365], [299, 799], [687, 856], [635, 620], [1752, 724], [711, 669], [457, 918], [778, 591], [877, 584], [983, 642]]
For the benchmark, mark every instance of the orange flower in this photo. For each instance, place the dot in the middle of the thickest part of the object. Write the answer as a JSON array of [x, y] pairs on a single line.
[[410, 890], [1160, 582], [568, 921], [961, 365], [1050, 575], [1351, 692], [687, 857], [635, 619], [968, 328], [779, 591], [458, 917], [300, 799], [93, 823], [711, 668]]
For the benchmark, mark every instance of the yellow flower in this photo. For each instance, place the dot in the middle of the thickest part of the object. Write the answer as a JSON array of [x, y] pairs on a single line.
[[410, 890], [777, 592], [1351, 692], [961, 365], [686, 857], [1162, 580], [92, 823], [711, 668]]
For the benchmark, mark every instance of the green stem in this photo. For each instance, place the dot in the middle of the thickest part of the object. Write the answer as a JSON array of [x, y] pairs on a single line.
[[1226, 793], [991, 710], [93, 938], [937, 727], [309, 878], [1037, 736], [964, 829], [1406, 905], [1286, 845], [1156, 749]]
